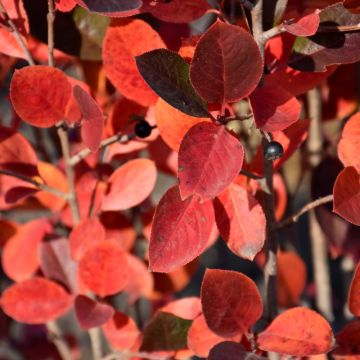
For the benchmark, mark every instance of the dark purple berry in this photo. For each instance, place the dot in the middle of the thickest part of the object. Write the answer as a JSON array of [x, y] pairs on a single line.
[[273, 150], [143, 129]]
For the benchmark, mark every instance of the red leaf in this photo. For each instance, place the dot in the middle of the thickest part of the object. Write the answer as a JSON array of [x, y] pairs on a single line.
[[347, 195], [298, 332], [350, 141], [121, 331], [40, 94], [130, 185], [291, 279], [142, 281], [241, 221], [306, 25], [179, 11], [201, 339], [274, 108], [229, 350], [16, 153], [93, 119], [90, 313], [187, 308], [348, 342], [84, 235], [35, 301], [173, 124], [103, 269], [124, 40], [210, 158], [180, 231], [65, 5], [231, 302], [20, 257], [56, 263], [227, 64], [354, 293]]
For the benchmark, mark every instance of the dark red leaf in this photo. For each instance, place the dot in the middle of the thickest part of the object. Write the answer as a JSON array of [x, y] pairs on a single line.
[[347, 195], [179, 11], [305, 25], [56, 263], [40, 94], [111, 7], [121, 331], [231, 302], [274, 108], [35, 301], [297, 332], [124, 40], [354, 293], [130, 184], [227, 64], [348, 341], [84, 235], [92, 119], [180, 231], [103, 268], [229, 350], [209, 160], [91, 313], [241, 221], [20, 256]]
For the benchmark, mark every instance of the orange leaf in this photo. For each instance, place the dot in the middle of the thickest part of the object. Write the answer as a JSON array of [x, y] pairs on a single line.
[[103, 268], [298, 332], [121, 331], [20, 257], [124, 40], [35, 301], [40, 94], [131, 184], [173, 124], [350, 142], [187, 308], [241, 221]]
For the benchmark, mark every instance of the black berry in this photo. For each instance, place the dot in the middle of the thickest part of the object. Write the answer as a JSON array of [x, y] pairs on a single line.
[[273, 150], [143, 129]]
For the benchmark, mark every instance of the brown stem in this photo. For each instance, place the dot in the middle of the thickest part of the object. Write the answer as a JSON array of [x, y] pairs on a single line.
[[271, 242], [50, 23], [306, 208], [121, 138], [17, 34], [129, 355], [317, 237], [36, 183]]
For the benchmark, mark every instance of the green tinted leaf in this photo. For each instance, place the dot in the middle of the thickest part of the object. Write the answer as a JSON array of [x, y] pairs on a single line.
[[166, 332], [92, 28], [167, 73]]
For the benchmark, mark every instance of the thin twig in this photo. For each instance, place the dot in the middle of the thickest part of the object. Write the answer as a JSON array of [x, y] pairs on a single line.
[[17, 34], [55, 335], [306, 208], [50, 23], [319, 246], [82, 154], [37, 184], [338, 28]]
